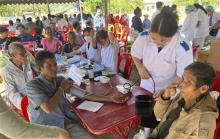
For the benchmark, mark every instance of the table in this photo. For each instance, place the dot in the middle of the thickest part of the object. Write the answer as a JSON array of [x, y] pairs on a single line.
[[111, 117]]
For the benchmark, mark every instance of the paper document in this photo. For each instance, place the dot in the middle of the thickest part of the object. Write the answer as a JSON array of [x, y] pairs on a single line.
[[75, 75], [90, 106]]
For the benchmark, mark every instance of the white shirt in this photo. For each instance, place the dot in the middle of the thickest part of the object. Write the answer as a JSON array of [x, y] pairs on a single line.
[[215, 18], [109, 56], [155, 14], [92, 54], [189, 26], [164, 66], [12, 28], [61, 23], [203, 30]]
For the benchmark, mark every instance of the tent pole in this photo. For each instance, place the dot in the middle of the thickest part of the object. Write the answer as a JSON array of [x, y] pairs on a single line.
[[81, 13], [48, 6], [106, 13]]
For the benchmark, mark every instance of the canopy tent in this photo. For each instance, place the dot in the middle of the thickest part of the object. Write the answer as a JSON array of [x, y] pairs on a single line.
[[34, 1]]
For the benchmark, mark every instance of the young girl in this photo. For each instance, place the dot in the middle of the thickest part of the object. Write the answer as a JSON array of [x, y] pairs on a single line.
[[50, 43]]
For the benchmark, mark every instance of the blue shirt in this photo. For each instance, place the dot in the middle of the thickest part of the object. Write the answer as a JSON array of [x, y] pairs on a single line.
[[146, 24], [58, 36], [26, 38], [98, 21], [39, 91]]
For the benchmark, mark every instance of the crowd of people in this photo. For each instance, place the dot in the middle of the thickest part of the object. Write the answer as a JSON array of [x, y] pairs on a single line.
[[162, 53]]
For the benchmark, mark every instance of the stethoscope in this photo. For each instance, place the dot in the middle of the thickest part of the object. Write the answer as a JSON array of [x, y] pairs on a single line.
[[128, 86]]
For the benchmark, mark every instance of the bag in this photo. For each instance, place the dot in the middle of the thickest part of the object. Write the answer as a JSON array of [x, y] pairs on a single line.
[[214, 32]]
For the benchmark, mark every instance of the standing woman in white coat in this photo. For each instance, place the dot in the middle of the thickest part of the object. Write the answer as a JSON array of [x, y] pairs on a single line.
[[190, 22], [202, 28]]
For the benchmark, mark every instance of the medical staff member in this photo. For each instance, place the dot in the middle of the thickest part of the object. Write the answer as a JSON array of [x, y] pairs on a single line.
[[214, 21], [202, 28], [161, 54], [189, 24]]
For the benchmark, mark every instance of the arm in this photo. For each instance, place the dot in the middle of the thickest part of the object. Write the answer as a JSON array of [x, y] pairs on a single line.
[[11, 122], [13, 94], [115, 99], [143, 72]]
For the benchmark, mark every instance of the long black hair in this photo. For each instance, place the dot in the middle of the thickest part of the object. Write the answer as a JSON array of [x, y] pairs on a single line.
[[198, 6]]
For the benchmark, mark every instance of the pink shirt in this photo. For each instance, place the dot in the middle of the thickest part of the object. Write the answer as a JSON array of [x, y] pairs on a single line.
[[51, 46]]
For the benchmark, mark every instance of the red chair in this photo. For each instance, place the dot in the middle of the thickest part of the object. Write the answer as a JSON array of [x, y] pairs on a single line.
[[67, 28], [30, 46], [216, 87], [24, 105], [128, 64], [195, 48], [124, 39]]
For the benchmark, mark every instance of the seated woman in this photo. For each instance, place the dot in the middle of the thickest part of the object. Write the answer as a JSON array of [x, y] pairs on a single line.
[[70, 46], [109, 49], [51, 43], [193, 112]]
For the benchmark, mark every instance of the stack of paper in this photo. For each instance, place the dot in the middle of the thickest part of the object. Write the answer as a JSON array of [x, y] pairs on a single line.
[[90, 106]]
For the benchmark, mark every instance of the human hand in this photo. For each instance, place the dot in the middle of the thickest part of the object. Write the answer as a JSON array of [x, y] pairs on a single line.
[[66, 84], [119, 99], [143, 73], [170, 91]]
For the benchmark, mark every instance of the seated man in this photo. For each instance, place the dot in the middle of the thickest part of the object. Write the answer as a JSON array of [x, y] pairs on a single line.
[[193, 112], [3, 37], [17, 72], [11, 121], [23, 35], [46, 96]]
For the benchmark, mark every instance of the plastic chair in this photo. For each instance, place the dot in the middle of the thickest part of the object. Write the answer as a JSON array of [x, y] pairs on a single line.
[[67, 28], [124, 39], [118, 30], [11, 33], [30, 46], [111, 28], [128, 64], [195, 48], [216, 85], [24, 105]]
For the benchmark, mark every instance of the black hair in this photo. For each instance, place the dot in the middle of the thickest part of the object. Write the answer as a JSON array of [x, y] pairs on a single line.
[[101, 34], [159, 4], [19, 20], [42, 56], [87, 29], [76, 24], [137, 11], [10, 22], [165, 24], [22, 26], [204, 73], [61, 16], [174, 6], [29, 19], [72, 33], [198, 6]]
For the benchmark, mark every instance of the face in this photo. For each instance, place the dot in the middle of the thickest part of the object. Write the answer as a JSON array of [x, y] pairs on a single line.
[[48, 33], [20, 56], [49, 68], [21, 30], [209, 13], [104, 42], [4, 35], [159, 40], [188, 87], [70, 38]]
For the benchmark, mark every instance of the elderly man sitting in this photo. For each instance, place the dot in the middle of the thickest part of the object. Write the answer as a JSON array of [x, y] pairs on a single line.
[[17, 72]]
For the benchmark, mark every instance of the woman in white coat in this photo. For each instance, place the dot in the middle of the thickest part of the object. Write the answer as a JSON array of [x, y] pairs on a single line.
[[189, 24], [202, 28]]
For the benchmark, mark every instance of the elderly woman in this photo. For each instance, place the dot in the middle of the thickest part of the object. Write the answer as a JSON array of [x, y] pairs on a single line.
[[13, 126], [193, 112], [19, 70]]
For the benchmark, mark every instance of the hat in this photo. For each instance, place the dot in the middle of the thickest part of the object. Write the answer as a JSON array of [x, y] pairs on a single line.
[[209, 8], [3, 29], [190, 7]]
